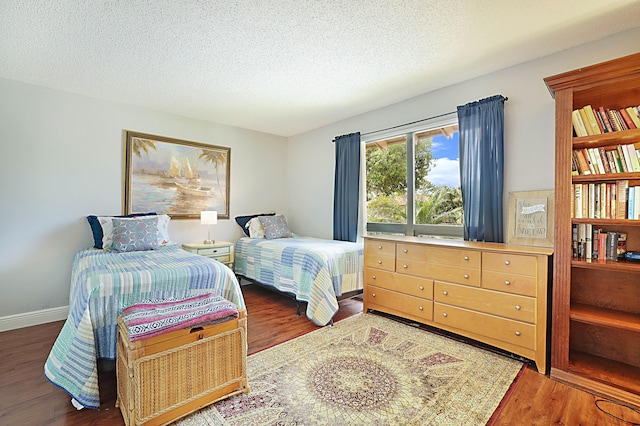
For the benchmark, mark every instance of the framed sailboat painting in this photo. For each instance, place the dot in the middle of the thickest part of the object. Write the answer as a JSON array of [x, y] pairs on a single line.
[[175, 177]]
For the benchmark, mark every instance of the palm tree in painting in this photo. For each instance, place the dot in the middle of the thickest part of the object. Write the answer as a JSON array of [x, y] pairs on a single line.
[[140, 145], [217, 158]]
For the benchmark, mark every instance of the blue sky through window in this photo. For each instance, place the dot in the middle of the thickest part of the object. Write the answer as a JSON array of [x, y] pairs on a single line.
[[446, 170]]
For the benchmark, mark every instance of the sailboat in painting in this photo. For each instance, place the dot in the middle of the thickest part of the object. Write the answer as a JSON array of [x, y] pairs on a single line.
[[186, 178]]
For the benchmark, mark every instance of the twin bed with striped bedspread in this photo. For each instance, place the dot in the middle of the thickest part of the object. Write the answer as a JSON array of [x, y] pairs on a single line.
[[105, 282]]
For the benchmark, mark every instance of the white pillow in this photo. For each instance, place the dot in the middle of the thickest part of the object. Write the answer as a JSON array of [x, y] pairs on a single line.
[[106, 222], [255, 228]]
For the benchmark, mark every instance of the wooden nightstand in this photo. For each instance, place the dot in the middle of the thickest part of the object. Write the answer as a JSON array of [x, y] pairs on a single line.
[[222, 251]]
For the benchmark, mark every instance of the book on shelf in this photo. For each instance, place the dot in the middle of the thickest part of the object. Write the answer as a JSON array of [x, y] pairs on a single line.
[[634, 116], [633, 156], [621, 199], [577, 202], [623, 161], [627, 119], [578, 124], [618, 161], [605, 119], [585, 120], [591, 119], [595, 244], [631, 201], [603, 158]]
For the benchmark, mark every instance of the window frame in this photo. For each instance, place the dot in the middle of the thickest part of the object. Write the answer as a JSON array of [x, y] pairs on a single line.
[[410, 228]]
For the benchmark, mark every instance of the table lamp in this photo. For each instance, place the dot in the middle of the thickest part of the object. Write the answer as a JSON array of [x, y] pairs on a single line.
[[209, 218]]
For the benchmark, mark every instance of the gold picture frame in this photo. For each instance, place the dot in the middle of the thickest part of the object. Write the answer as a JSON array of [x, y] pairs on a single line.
[[531, 218], [175, 177]]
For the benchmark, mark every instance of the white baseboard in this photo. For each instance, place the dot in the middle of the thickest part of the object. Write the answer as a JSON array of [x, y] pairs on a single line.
[[28, 319]]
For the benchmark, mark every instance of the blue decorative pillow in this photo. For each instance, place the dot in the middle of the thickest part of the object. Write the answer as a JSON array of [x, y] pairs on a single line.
[[135, 234], [275, 227], [96, 228], [243, 220]]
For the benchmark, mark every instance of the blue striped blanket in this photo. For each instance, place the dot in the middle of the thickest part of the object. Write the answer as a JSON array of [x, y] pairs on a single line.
[[317, 271], [102, 284]]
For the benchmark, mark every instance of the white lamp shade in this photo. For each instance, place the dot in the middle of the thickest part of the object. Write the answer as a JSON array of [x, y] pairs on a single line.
[[208, 217]]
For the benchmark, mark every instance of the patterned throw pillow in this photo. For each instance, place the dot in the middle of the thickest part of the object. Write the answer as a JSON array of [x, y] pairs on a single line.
[[135, 235], [275, 227], [255, 228]]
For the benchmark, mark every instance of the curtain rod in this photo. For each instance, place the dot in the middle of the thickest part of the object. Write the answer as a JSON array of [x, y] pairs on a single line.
[[413, 122]]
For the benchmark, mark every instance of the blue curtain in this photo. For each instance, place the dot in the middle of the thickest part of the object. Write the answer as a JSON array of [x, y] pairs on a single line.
[[481, 127], [347, 188]]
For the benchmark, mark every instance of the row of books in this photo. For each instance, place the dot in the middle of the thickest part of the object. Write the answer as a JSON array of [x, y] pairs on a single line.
[[605, 200], [594, 161], [591, 243], [595, 121]]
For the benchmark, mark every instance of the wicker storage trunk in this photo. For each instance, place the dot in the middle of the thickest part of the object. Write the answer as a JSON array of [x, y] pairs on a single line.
[[166, 377]]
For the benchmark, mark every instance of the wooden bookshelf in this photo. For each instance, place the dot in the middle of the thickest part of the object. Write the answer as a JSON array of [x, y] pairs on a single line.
[[595, 303]]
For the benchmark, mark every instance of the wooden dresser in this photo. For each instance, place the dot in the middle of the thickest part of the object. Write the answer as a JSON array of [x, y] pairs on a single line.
[[490, 292]]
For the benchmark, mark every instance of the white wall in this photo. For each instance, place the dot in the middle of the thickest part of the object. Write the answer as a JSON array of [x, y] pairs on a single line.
[[61, 159], [529, 129]]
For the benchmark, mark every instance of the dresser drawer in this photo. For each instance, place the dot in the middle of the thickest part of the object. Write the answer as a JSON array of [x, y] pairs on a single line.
[[222, 259], [512, 306], [509, 263], [214, 252], [374, 260], [411, 305], [510, 283], [381, 248], [505, 330], [413, 267], [455, 274], [419, 287], [455, 257]]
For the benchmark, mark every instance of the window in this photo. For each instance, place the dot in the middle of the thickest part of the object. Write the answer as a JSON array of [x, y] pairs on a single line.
[[414, 188]]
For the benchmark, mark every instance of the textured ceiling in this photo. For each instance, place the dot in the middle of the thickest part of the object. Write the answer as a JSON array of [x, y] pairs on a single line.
[[285, 66]]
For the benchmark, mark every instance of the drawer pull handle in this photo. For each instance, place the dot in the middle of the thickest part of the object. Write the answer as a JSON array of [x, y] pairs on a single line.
[[466, 276], [517, 307], [373, 276], [421, 288], [379, 262], [444, 314], [445, 292], [506, 262], [466, 258], [379, 247], [373, 295], [405, 266], [420, 308], [517, 333], [405, 251], [507, 282]]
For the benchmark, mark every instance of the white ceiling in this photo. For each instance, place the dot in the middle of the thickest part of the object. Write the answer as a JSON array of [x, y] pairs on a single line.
[[285, 66]]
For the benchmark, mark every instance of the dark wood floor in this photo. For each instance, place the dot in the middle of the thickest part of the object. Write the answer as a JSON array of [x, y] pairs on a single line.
[[27, 398]]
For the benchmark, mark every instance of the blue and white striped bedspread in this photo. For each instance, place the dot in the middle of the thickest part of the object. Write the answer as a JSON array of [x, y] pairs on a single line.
[[102, 284], [317, 271]]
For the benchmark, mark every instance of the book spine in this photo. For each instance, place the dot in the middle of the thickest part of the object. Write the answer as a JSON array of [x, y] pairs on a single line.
[[577, 209], [633, 156], [603, 160], [634, 117], [623, 161], [593, 123], [612, 162], [627, 119], [578, 125], [621, 199], [605, 119]]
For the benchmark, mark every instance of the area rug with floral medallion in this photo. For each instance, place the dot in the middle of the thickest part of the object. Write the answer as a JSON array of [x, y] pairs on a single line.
[[367, 370]]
